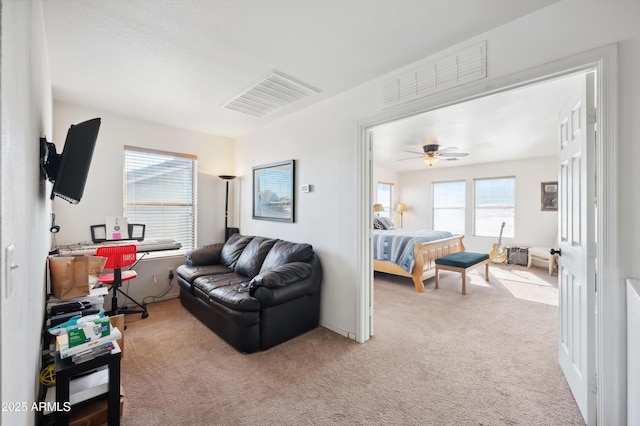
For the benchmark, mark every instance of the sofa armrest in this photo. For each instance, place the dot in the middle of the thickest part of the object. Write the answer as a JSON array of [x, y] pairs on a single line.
[[205, 255], [282, 276], [284, 283]]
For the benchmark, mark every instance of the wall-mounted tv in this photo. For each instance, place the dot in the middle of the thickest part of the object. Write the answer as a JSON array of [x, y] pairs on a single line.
[[68, 171]]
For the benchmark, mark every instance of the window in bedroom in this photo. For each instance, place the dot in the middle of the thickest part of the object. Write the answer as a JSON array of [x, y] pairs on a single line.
[[160, 192], [494, 204], [385, 197], [449, 206]]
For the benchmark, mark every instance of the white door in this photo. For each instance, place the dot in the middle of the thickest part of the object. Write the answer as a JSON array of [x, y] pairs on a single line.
[[576, 262]]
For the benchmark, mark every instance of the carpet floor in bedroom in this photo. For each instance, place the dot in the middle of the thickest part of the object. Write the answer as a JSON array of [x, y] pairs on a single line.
[[436, 358]]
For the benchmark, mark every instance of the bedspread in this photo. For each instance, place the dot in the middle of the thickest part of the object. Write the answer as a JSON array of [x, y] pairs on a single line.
[[397, 245]]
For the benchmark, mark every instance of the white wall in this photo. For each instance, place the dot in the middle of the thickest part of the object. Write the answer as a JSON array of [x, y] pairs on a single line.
[[324, 138], [533, 227], [25, 115], [103, 192]]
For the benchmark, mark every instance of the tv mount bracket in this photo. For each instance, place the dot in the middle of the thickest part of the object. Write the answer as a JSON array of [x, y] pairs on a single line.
[[49, 160]]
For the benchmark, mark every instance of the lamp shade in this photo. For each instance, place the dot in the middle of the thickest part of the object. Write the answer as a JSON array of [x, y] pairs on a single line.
[[430, 160], [401, 207], [378, 208]]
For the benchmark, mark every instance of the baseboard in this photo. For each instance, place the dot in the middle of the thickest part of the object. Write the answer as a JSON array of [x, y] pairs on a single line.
[[166, 297], [338, 330]]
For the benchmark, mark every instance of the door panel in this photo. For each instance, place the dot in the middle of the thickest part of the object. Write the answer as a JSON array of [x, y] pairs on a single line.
[[576, 270]]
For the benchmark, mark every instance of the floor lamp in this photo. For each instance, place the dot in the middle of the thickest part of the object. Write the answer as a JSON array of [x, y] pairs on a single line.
[[227, 231], [401, 208]]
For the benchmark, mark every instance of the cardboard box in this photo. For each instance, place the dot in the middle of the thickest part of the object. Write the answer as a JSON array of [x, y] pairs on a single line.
[[70, 275], [118, 322], [93, 412]]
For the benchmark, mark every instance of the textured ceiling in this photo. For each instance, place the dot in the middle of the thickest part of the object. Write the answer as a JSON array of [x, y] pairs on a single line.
[[516, 124], [177, 62]]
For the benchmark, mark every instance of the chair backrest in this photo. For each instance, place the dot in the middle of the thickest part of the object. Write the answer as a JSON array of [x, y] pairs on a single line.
[[118, 256]]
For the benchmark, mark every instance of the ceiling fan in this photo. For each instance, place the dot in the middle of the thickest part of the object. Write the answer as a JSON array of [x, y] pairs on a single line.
[[432, 153]]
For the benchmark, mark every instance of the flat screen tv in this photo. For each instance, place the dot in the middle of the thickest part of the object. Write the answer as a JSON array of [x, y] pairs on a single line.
[[68, 171]]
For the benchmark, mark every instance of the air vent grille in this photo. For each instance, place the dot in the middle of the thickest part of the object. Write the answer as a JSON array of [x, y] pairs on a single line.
[[275, 92], [462, 67]]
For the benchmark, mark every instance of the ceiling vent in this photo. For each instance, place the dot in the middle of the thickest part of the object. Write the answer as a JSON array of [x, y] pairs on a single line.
[[275, 92], [461, 67]]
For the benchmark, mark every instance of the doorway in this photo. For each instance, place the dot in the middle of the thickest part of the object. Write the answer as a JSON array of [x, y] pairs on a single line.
[[602, 61]]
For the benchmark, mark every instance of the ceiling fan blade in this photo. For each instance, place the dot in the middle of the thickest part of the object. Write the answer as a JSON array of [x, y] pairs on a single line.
[[454, 154], [410, 158], [447, 149], [415, 152]]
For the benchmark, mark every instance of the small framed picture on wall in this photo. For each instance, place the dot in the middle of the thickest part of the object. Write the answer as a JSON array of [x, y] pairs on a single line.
[[549, 191]]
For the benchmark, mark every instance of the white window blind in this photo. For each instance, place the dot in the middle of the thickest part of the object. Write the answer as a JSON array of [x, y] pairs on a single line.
[[449, 206], [160, 192], [494, 204], [385, 197]]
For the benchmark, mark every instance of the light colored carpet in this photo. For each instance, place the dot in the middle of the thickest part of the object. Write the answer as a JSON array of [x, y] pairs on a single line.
[[437, 358]]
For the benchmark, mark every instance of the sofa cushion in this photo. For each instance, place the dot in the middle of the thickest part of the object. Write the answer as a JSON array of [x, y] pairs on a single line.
[[286, 252], [190, 273], [230, 297], [251, 259], [209, 282], [233, 249]]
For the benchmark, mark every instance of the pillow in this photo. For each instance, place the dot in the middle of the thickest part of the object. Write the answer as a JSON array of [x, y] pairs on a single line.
[[387, 223], [284, 252], [376, 223], [232, 249], [253, 255]]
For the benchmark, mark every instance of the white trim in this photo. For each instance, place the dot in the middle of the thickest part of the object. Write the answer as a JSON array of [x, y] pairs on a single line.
[[611, 380], [610, 323], [364, 244]]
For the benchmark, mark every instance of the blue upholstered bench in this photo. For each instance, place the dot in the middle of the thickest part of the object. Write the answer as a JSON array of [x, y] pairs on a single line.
[[462, 261]]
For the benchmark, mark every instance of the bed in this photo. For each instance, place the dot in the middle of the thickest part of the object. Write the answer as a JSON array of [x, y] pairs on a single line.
[[411, 253]]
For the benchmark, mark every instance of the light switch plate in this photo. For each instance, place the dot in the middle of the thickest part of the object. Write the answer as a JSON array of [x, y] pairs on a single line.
[[8, 273]]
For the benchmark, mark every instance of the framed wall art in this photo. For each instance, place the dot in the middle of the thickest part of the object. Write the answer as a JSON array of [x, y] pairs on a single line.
[[273, 191], [549, 194]]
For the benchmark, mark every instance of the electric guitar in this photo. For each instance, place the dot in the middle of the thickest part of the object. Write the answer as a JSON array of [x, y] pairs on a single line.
[[498, 254]]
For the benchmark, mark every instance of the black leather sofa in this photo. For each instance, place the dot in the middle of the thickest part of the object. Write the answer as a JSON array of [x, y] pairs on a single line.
[[253, 292]]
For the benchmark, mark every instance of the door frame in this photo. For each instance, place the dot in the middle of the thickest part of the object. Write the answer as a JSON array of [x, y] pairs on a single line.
[[611, 365]]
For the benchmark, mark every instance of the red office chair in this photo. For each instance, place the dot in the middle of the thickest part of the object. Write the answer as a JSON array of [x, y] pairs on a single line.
[[117, 258]]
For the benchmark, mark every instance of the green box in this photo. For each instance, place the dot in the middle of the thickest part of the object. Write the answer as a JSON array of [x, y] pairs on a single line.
[[88, 331]]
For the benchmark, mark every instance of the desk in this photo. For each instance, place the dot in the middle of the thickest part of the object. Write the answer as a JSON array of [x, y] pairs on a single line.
[[66, 370]]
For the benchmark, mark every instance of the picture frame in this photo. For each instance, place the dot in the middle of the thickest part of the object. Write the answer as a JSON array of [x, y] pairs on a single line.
[[549, 196], [273, 191]]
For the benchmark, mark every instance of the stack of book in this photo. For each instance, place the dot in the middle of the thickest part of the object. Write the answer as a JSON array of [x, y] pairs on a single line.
[[89, 349]]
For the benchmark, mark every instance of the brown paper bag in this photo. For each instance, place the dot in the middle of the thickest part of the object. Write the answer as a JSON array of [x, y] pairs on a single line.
[[70, 274]]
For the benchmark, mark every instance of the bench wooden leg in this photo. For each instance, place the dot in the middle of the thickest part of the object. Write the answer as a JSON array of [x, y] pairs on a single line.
[[486, 271], [464, 281], [437, 274]]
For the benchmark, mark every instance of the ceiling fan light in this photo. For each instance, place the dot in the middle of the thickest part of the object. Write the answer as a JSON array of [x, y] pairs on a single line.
[[430, 160]]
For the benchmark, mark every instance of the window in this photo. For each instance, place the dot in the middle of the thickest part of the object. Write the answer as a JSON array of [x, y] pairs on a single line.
[[385, 197], [494, 204], [160, 192], [449, 206]]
